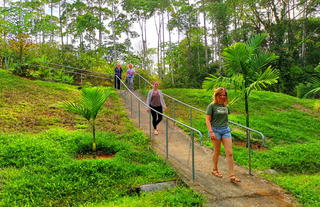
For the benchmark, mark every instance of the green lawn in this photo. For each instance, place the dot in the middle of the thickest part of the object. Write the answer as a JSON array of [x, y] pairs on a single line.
[[39, 144], [292, 129]]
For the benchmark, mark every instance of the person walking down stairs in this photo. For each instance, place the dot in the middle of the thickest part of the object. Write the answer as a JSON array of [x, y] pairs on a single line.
[[217, 124], [117, 76], [156, 101], [130, 75]]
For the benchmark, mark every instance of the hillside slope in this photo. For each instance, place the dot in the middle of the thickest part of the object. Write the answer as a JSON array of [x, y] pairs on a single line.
[[44, 153], [34, 106]]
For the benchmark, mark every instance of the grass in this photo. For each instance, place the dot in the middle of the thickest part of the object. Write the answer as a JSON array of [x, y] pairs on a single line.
[[179, 197], [34, 106], [41, 170], [277, 115], [40, 141], [291, 126]]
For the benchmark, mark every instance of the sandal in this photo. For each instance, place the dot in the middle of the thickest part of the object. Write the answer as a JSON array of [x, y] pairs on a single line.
[[234, 179], [216, 173], [156, 132]]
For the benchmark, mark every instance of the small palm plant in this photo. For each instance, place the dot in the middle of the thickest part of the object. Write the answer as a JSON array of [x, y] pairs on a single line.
[[247, 66], [89, 105]]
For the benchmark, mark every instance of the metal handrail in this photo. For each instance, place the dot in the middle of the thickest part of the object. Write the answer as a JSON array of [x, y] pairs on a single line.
[[174, 120], [106, 78], [234, 123], [140, 101], [76, 68], [231, 122]]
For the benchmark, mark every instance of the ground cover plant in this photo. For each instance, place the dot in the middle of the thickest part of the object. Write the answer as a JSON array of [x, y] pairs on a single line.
[[292, 129], [41, 168]]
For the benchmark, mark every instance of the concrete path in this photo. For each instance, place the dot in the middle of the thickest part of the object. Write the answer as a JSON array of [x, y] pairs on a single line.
[[253, 191]]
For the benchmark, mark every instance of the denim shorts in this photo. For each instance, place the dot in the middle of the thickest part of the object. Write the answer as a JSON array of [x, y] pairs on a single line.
[[222, 132]]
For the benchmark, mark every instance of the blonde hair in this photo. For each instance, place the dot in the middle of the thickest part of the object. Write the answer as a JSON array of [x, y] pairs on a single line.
[[217, 92]]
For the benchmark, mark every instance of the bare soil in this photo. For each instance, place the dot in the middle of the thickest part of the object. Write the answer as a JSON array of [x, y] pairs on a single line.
[[91, 155]]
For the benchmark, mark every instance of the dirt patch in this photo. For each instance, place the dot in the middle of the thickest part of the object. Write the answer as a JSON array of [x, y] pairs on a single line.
[[254, 146], [306, 110], [100, 155]]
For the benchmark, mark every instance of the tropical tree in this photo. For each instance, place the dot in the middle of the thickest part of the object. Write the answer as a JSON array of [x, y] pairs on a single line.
[[89, 105], [248, 68]]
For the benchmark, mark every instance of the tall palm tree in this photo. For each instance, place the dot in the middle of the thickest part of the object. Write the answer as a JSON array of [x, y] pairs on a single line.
[[247, 67], [89, 105]]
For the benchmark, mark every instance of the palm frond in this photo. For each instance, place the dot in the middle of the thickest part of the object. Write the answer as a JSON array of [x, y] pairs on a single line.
[[268, 77], [255, 41], [317, 68], [90, 103], [78, 109], [209, 82], [93, 99], [261, 60], [313, 92], [235, 82], [235, 57], [235, 99]]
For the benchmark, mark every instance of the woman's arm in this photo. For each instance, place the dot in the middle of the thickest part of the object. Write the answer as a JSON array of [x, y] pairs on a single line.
[[163, 104], [149, 97], [208, 123]]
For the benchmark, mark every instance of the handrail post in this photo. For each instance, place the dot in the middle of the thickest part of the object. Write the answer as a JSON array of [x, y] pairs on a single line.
[[174, 109], [139, 112], [193, 167], [167, 140], [249, 151], [150, 124], [131, 103], [190, 117]]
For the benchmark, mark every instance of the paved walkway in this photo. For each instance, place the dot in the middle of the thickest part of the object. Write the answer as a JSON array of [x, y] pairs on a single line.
[[253, 191]]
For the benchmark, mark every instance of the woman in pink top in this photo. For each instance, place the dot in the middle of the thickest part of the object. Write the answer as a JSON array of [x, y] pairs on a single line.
[[130, 75]]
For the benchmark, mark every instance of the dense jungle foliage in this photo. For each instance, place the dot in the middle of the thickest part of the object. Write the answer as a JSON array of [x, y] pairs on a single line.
[[188, 41]]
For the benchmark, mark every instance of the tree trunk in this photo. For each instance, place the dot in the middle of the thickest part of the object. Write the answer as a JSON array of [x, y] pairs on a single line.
[[43, 33], [145, 41], [4, 19], [61, 27], [140, 20], [205, 37], [198, 44], [170, 42], [163, 46], [114, 33], [246, 109], [51, 20], [158, 29], [213, 46], [94, 144], [100, 22], [303, 46]]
